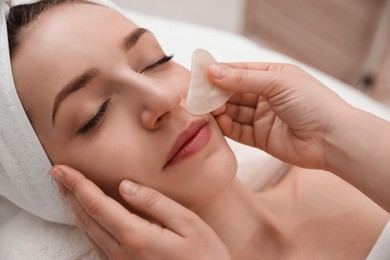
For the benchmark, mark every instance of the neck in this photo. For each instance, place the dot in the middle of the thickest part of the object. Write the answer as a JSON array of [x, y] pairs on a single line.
[[238, 219]]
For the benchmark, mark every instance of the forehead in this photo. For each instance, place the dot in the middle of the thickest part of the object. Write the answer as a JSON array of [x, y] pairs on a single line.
[[61, 42], [78, 22], [76, 29]]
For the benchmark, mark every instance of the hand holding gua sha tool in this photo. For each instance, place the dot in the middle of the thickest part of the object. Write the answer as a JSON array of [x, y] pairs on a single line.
[[203, 97]]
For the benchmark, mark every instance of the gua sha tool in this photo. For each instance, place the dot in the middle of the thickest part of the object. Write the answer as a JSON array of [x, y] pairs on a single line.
[[203, 97]]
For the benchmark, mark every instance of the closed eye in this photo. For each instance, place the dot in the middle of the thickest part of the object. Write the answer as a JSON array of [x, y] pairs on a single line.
[[96, 119], [161, 61]]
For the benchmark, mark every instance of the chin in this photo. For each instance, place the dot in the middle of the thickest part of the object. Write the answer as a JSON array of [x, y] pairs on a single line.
[[212, 176]]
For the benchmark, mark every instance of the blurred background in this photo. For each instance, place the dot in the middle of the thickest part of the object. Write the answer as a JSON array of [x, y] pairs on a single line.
[[348, 39]]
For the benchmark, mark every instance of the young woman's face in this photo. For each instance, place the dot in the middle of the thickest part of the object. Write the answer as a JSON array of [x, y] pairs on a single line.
[[104, 99]]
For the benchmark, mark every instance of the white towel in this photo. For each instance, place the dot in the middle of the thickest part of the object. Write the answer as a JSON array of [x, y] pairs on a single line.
[[381, 249], [27, 237], [24, 166]]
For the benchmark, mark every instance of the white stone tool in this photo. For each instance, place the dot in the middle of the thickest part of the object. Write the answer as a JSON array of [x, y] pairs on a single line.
[[203, 97]]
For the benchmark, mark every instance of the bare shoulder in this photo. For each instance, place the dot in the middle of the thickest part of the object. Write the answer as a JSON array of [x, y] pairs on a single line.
[[323, 213], [326, 191]]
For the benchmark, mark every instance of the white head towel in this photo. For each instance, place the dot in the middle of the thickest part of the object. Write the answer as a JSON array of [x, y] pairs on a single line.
[[24, 166]]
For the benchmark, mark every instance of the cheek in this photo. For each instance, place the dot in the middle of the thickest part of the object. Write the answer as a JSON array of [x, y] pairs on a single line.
[[110, 159]]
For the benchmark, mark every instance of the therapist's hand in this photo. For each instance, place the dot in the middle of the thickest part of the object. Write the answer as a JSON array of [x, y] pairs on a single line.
[[286, 112], [116, 233], [278, 108]]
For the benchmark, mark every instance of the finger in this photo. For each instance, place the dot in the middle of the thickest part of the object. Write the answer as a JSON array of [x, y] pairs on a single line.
[[168, 212], [236, 131], [264, 66], [105, 241], [265, 83], [220, 110], [130, 229], [108, 213], [244, 99], [267, 66], [97, 249], [240, 114]]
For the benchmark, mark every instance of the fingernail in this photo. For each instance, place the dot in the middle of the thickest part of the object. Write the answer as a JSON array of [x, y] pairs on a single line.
[[57, 174], [128, 187], [217, 71]]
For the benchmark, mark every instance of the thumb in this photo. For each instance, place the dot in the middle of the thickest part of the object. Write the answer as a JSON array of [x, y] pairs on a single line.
[[241, 80], [156, 205]]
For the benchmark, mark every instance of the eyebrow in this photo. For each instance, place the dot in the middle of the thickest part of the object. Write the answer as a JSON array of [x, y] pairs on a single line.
[[82, 80], [132, 39]]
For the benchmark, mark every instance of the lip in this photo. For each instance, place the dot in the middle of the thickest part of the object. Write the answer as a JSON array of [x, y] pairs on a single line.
[[189, 142]]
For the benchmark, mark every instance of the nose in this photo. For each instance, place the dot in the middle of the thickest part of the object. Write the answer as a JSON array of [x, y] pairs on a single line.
[[159, 103]]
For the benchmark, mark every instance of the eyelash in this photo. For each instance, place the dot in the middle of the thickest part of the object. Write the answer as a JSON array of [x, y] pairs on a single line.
[[160, 62], [96, 119], [100, 114]]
